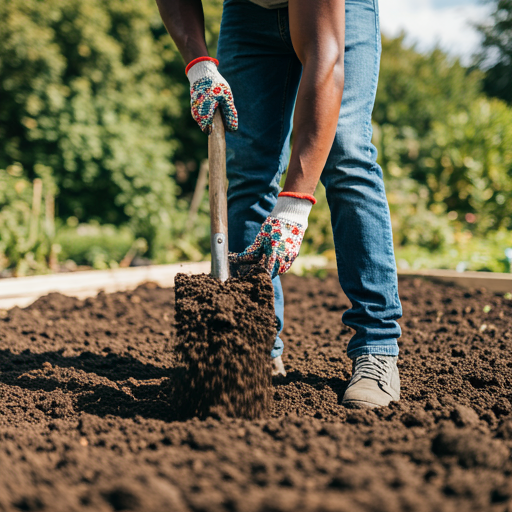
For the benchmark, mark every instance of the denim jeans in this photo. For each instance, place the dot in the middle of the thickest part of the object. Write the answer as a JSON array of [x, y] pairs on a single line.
[[257, 59]]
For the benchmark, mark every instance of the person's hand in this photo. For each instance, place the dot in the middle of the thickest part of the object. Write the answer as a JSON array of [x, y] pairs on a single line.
[[280, 237], [209, 90]]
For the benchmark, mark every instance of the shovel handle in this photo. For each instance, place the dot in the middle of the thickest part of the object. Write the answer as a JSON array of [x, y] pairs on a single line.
[[218, 198]]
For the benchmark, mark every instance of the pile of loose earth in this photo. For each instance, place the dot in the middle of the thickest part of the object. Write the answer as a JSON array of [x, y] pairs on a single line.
[[89, 417], [225, 333]]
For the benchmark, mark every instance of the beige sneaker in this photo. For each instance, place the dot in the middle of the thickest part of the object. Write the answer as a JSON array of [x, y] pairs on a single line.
[[375, 382], [278, 367]]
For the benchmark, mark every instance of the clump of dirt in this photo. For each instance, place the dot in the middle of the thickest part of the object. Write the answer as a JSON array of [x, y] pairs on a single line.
[[89, 416], [225, 333]]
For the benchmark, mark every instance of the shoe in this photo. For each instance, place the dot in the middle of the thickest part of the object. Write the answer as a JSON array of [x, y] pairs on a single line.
[[375, 382], [278, 367]]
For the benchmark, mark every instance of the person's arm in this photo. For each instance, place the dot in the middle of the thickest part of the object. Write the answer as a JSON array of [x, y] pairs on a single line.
[[184, 20], [318, 36]]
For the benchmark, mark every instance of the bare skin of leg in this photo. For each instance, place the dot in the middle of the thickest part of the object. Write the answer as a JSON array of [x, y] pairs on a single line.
[[318, 36]]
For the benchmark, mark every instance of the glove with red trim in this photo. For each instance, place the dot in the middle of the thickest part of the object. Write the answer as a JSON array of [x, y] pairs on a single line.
[[280, 237], [209, 90]]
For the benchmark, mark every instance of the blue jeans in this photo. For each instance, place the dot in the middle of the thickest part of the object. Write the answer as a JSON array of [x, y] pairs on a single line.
[[257, 59]]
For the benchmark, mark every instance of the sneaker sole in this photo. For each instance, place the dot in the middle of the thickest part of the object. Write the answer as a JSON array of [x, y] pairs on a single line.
[[360, 404]]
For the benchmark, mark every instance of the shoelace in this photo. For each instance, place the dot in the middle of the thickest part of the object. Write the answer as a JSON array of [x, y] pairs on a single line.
[[371, 367]]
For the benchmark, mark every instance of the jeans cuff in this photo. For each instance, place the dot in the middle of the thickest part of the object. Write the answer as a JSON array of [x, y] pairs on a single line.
[[276, 352], [278, 348], [376, 350]]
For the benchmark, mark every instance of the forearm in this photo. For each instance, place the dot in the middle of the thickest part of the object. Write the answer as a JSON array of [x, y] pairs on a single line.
[[318, 39], [315, 120], [184, 20]]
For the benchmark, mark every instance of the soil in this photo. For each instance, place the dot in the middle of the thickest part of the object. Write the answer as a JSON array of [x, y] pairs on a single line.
[[225, 332], [89, 418]]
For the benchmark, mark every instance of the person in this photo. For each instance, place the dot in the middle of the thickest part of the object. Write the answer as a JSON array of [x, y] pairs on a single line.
[[279, 61]]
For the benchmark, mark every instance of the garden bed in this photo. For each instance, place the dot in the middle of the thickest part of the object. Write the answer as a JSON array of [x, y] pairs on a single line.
[[88, 416]]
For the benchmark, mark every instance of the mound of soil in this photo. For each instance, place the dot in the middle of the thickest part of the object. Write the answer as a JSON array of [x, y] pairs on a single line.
[[89, 418], [225, 333]]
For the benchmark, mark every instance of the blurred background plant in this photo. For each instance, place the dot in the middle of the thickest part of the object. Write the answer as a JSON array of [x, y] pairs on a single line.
[[26, 220], [102, 165]]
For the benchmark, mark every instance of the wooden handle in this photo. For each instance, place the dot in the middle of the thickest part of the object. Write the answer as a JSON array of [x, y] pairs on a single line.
[[218, 198]]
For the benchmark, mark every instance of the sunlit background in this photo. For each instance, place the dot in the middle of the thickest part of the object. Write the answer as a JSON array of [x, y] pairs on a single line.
[[449, 24], [102, 166]]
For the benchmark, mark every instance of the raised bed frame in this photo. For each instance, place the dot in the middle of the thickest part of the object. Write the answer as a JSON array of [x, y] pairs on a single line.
[[22, 291]]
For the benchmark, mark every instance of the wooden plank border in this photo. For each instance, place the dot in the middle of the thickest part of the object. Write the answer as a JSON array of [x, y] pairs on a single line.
[[492, 281], [22, 291]]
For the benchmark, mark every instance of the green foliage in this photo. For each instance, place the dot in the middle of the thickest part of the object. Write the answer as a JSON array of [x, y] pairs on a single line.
[[191, 242], [28, 241], [191, 143], [318, 240], [467, 252], [446, 151], [415, 89], [25, 231], [440, 139], [95, 103], [470, 169], [94, 245], [496, 53], [84, 92], [424, 229], [465, 162]]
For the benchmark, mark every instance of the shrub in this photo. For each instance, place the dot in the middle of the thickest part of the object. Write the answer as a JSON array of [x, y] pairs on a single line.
[[26, 220], [84, 92], [91, 244]]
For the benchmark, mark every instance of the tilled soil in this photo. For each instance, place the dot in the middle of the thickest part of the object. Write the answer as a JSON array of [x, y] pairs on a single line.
[[225, 332], [88, 415]]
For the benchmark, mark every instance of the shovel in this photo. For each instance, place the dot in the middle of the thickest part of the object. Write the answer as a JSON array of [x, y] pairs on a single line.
[[218, 199], [225, 329]]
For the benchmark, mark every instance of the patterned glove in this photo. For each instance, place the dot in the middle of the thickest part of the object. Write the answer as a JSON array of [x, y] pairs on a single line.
[[278, 242], [208, 90]]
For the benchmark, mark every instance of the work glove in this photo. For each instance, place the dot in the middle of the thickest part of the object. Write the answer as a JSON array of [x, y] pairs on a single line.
[[208, 90], [280, 237]]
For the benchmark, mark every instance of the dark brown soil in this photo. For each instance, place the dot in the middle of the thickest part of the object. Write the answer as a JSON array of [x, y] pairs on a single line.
[[225, 332], [88, 415]]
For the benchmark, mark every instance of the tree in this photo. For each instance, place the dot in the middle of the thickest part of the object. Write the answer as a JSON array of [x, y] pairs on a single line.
[[83, 92], [443, 145], [417, 89], [496, 54], [470, 168]]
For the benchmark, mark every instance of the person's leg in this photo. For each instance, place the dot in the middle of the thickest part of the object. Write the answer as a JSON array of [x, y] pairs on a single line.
[[356, 196], [258, 62]]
